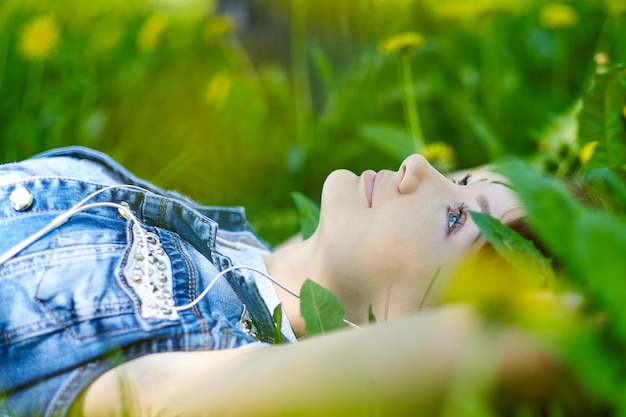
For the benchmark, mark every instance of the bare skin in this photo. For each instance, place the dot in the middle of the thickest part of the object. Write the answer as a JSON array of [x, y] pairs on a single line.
[[381, 238], [380, 369]]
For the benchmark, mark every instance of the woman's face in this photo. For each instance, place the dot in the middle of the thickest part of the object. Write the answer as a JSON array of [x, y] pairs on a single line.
[[384, 236]]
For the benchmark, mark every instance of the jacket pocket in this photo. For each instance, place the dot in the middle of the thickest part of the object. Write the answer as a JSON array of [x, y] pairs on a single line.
[[72, 285]]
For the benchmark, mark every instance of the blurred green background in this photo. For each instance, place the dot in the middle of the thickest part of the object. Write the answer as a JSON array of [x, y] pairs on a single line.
[[243, 102]]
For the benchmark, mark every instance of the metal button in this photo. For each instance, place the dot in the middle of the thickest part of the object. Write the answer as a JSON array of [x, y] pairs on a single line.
[[124, 211], [21, 199]]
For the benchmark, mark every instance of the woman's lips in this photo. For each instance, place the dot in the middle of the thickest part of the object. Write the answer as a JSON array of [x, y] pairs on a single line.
[[369, 178]]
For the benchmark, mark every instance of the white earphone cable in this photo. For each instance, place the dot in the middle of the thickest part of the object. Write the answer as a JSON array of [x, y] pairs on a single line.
[[249, 268], [63, 217], [126, 212]]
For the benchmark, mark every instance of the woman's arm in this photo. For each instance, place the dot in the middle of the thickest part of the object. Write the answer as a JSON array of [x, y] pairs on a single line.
[[409, 365]]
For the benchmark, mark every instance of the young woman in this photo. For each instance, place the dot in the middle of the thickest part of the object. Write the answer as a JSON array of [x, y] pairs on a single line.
[[119, 297]]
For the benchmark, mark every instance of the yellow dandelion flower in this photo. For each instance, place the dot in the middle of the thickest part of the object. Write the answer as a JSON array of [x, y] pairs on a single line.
[[499, 285], [39, 39], [558, 16], [401, 43], [440, 155], [151, 32], [218, 89], [587, 151]]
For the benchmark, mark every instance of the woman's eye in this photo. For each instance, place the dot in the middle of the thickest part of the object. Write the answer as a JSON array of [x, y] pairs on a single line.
[[456, 216]]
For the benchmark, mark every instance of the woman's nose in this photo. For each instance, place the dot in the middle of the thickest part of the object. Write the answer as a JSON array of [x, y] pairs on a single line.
[[415, 170]]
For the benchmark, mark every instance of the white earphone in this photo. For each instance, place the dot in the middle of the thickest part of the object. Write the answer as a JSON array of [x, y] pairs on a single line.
[[127, 213]]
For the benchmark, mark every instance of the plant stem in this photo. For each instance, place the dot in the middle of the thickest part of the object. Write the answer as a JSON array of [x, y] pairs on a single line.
[[410, 107], [299, 67], [430, 285], [4, 48], [607, 34], [560, 64], [491, 76]]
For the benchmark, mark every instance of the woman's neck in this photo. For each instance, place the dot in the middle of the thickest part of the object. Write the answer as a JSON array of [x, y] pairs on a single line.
[[292, 265]]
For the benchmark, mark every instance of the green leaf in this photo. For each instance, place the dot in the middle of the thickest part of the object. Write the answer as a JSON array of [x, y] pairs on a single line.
[[309, 214], [516, 250], [548, 203], [370, 315], [591, 359], [320, 309], [390, 139], [323, 65], [484, 133], [277, 318], [602, 119], [590, 244]]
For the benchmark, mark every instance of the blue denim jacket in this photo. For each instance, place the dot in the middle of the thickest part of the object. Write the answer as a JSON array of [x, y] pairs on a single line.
[[78, 300]]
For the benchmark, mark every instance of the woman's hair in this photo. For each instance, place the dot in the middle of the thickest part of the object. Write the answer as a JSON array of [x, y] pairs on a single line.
[[594, 196]]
